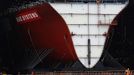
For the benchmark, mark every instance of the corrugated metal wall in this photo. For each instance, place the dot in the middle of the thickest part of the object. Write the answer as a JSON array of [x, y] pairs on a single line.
[[88, 21]]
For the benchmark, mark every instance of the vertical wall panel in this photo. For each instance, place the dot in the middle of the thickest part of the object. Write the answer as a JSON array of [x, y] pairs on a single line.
[[75, 19], [78, 29], [88, 21]]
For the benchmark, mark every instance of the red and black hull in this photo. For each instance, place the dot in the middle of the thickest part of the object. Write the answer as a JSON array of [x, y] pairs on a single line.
[[37, 37]]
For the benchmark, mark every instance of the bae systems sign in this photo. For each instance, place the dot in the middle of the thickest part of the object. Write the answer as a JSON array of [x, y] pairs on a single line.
[[27, 17]]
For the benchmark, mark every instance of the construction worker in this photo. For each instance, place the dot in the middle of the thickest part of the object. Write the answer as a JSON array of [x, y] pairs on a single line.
[[128, 72], [4, 73], [33, 73], [98, 1]]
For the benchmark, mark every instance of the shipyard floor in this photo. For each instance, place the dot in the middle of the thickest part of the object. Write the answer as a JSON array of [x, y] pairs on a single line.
[[109, 72]]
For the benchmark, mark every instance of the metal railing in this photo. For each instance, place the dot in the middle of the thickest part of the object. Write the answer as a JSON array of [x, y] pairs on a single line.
[[115, 72], [83, 73], [91, 1]]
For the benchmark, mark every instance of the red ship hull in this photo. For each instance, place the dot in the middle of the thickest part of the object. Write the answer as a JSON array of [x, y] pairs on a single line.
[[44, 30]]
